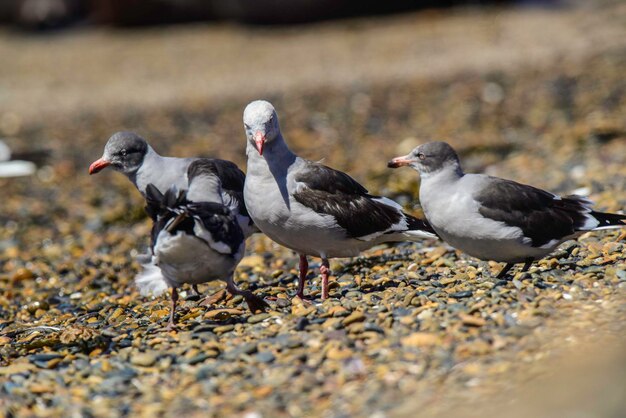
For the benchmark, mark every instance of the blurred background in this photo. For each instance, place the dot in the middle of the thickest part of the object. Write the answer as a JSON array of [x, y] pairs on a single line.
[[49, 14], [529, 90]]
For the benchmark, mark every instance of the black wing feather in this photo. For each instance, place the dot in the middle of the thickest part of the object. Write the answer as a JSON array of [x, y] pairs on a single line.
[[536, 212], [334, 193], [231, 178], [217, 219], [320, 177]]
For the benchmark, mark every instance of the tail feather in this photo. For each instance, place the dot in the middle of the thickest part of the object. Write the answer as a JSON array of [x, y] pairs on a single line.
[[151, 281], [609, 220]]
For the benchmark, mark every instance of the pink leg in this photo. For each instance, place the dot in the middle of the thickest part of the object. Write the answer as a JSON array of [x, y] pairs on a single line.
[[325, 270], [304, 269]]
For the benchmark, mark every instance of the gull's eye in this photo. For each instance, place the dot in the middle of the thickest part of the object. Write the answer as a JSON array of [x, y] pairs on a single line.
[[124, 152], [246, 126], [421, 156]]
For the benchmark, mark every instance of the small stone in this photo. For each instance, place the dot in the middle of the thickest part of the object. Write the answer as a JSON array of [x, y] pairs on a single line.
[[421, 339], [462, 294], [265, 357], [338, 310], [214, 299], [223, 328], [335, 353], [252, 261], [22, 274], [302, 324], [222, 314], [144, 359], [283, 302], [302, 310], [254, 319], [356, 316], [17, 368], [472, 320]]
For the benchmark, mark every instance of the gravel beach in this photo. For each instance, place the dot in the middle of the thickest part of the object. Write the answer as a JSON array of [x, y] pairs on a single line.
[[409, 329]]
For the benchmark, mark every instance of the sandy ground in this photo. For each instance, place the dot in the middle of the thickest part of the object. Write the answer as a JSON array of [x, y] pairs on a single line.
[[92, 70]]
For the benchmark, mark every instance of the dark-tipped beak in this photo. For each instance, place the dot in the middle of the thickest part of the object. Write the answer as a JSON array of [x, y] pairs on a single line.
[[98, 166], [259, 141], [399, 162]]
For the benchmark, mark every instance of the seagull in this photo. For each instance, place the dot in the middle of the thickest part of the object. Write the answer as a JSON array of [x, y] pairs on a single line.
[[196, 239], [132, 156], [311, 208], [492, 218]]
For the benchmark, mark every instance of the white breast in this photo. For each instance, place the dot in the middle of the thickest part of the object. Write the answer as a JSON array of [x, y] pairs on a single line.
[[186, 259]]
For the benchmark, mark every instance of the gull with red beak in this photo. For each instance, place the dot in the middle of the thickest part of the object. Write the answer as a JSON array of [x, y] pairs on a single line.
[[496, 219], [132, 156], [311, 208]]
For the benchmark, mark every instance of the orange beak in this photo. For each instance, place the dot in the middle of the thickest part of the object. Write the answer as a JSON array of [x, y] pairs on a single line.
[[98, 165], [399, 162], [259, 141]]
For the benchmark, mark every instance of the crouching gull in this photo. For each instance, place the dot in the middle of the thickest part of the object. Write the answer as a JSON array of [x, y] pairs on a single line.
[[310, 208], [496, 219], [195, 239], [131, 155]]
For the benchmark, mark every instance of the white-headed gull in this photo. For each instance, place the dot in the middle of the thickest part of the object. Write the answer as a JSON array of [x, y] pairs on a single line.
[[193, 241], [496, 219], [310, 208], [132, 156]]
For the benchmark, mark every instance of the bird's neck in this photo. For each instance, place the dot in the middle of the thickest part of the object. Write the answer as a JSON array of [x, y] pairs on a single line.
[[447, 174], [151, 160], [151, 156], [276, 155]]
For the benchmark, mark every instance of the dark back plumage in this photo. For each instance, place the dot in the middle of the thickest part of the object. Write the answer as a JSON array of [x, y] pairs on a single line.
[[335, 193], [231, 177], [216, 219], [541, 216]]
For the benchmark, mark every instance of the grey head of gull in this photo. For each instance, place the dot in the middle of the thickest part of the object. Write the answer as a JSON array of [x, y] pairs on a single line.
[[124, 152], [311, 208], [195, 241], [131, 155], [496, 219]]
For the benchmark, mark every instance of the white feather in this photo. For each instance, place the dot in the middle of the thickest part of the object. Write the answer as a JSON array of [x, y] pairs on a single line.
[[201, 232], [151, 281], [418, 235]]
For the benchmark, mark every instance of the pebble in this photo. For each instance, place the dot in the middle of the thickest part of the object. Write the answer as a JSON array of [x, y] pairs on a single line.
[[472, 320], [420, 339], [255, 319], [144, 359], [461, 295], [355, 316], [265, 357]]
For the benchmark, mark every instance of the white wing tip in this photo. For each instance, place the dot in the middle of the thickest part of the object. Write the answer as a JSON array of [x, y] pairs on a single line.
[[417, 234]]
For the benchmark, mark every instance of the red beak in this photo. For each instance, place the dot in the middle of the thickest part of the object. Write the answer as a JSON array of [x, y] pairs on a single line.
[[399, 162], [98, 165], [259, 140]]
